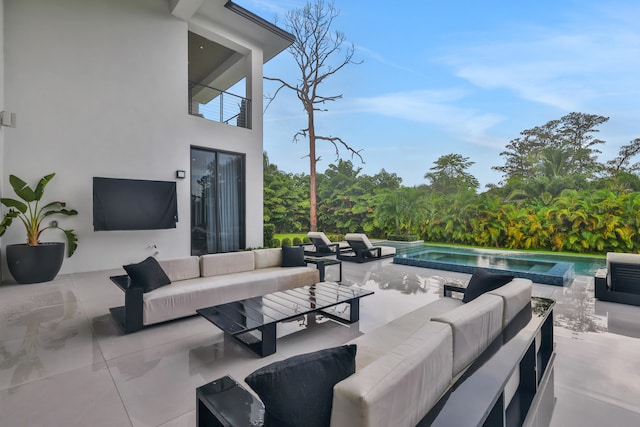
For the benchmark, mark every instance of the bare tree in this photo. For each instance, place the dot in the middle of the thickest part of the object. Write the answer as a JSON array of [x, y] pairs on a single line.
[[622, 163], [314, 50]]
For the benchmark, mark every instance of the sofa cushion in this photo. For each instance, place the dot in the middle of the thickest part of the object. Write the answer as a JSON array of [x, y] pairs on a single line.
[[483, 281], [622, 258], [293, 256], [378, 342], [475, 325], [181, 268], [399, 388], [515, 295], [225, 263], [184, 297], [147, 274], [265, 258], [298, 391]]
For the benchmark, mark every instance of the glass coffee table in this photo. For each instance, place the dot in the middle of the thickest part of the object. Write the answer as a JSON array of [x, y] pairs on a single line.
[[252, 321]]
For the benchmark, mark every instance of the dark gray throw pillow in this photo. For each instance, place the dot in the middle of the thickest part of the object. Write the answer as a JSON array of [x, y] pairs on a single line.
[[298, 392], [147, 274], [293, 256], [484, 281]]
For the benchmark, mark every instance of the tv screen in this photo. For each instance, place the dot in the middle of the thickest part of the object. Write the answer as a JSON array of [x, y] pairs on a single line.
[[133, 204]]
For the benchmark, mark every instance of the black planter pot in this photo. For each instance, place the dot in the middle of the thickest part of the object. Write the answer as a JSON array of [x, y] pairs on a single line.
[[35, 264]]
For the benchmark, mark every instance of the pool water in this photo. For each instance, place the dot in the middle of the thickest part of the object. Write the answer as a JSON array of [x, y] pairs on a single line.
[[487, 261], [508, 260], [551, 269]]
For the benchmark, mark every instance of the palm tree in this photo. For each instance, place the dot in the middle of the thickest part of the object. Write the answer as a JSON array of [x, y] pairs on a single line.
[[401, 209]]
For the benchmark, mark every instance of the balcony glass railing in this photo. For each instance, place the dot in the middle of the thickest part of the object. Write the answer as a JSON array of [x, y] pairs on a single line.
[[219, 106]]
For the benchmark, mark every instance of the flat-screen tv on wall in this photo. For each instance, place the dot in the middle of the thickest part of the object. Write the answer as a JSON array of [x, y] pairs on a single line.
[[134, 204]]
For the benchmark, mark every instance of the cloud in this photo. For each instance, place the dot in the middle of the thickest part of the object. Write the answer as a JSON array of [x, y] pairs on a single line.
[[382, 59], [433, 108], [589, 61]]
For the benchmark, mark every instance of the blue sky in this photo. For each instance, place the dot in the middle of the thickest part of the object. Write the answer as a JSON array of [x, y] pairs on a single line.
[[461, 77]]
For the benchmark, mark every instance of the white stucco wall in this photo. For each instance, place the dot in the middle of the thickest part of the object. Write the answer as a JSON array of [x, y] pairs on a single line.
[[1, 108], [100, 89]]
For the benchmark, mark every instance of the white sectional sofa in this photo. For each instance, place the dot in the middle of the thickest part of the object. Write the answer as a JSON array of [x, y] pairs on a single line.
[[421, 354], [208, 280], [488, 361]]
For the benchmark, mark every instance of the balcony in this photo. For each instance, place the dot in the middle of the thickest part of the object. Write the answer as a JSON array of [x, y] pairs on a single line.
[[219, 106]]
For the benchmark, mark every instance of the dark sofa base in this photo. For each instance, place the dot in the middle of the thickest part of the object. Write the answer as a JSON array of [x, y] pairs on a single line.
[[603, 293]]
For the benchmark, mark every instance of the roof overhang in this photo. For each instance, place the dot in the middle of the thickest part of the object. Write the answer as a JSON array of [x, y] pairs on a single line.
[[234, 19]]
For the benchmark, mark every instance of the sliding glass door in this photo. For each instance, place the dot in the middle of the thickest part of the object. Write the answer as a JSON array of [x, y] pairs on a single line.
[[217, 202]]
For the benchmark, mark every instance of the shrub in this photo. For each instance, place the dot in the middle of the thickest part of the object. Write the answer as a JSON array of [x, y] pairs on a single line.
[[297, 241], [268, 232], [335, 237], [286, 241], [306, 240], [275, 243]]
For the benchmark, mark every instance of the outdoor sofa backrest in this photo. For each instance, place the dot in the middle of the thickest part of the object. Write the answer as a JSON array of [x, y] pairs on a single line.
[[623, 272]]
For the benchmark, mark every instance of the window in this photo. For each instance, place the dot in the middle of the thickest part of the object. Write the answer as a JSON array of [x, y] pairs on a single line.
[[217, 202]]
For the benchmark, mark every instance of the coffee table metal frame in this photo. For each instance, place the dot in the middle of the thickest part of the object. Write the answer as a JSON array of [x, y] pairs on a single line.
[[245, 319]]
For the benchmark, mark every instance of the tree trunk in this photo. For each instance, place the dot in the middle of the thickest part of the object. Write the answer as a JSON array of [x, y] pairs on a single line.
[[313, 214]]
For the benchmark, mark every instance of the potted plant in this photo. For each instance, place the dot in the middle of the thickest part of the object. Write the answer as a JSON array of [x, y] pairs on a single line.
[[34, 261]]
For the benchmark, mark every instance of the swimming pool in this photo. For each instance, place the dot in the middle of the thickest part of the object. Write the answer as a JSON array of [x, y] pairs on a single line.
[[550, 269]]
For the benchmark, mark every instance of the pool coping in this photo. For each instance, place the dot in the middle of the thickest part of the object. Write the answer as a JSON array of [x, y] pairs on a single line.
[[561, 274]]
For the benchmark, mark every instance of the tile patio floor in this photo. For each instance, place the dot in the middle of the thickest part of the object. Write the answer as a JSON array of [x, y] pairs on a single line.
[[64, 362]]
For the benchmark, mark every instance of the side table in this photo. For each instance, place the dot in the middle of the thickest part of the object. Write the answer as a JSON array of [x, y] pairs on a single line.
[[225, 403], [322, 264]]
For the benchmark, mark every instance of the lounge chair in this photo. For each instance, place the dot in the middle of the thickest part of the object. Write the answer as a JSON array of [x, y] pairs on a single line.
[[620, 281], [363, 251], [322, 246]]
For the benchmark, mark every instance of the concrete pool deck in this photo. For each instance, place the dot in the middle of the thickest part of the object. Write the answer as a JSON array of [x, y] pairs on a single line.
[[64, 361]]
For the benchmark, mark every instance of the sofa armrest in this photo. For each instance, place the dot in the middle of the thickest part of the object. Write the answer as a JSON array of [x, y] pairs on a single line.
[[129, 317], [450, 288], [601, 286]]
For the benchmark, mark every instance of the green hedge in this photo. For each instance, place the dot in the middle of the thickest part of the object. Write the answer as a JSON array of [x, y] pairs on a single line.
[[335, 237], [268, 232]]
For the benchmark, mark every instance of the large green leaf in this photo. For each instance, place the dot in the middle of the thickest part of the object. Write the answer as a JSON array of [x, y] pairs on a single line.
[[22, 189], [72, 242], [42, 184], [13, 203], [54, 204], [68, 212], [7, 220]]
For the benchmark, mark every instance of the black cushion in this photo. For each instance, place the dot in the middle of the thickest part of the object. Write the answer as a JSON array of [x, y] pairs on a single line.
[[299, 391], [293, 256], [147, 274], [484, 281]]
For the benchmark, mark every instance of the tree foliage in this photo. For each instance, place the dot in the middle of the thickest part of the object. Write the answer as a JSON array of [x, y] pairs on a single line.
[[556, 196], [449, 175], [558, 148]]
